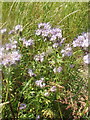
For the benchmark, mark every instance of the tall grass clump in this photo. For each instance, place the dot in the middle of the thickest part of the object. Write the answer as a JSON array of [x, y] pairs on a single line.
[[43, 56]]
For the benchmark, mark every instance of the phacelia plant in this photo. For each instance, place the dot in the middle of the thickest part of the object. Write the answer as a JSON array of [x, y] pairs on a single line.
[[41, 75]]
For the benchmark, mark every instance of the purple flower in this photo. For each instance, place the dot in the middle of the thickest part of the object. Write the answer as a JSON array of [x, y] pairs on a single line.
[[18, 28], [3, 30], [56, 34], [86, 59], [28, 42], [44, 29], [22, 106], [11, 32], [39, 57], [45, 33], [55, 70], [78, 42], [10, 58], [16, 56], [55, 31], [55, 45], [1, 52], [67, 51], [38, 32], [59, 69], [31, 73], [40, 83], [62, 40], [59, 35], [86, 42], [82, 40], [53, 38], [46, 94], [53, 89], [37, 117], [52, 34], [44, 26], [10, 46], [22, 39], [72, 65]]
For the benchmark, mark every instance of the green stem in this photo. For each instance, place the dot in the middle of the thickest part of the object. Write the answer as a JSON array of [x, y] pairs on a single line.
[[8, 94], [7, 90], [11, 108], [60, 111]]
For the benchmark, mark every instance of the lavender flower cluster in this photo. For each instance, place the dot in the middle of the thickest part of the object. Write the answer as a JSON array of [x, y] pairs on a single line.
[[55, 35], [39, 57], [8, 53], [84, 42], [40, 83], [9, 58], [51, 34], [67, 51], [27, 43], [17, 28]]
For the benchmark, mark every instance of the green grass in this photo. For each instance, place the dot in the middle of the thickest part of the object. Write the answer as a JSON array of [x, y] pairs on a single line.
[[71, 17]]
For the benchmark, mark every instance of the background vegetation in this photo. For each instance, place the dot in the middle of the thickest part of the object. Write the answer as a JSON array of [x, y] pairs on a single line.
[[71, 17]]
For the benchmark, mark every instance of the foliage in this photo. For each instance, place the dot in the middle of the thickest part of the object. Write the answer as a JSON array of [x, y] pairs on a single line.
[[41, 65]]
